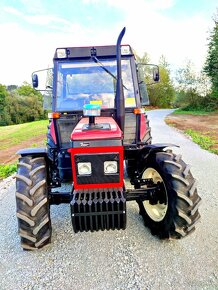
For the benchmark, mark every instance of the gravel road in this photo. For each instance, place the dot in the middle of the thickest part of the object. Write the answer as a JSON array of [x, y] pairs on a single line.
[[130, 259]]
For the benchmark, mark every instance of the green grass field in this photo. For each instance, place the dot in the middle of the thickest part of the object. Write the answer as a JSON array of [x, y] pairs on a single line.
[[185, 112], [205, 142], [15, 134]]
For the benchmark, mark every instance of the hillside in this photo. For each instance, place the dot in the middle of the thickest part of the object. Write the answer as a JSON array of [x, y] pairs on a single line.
[[15, 137]]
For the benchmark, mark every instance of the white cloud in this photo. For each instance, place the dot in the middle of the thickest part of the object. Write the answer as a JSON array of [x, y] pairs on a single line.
[[91, 1], [148, 30], [19, 55], [140, 5], [25, 51], [12, 10], [45, 19], [37, 19], [162, 4]]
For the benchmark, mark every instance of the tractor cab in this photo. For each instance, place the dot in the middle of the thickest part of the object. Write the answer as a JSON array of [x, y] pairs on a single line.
[[88, 75], [107, 76]]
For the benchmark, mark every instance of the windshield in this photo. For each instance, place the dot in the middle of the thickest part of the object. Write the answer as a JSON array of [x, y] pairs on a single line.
[[86, 82]]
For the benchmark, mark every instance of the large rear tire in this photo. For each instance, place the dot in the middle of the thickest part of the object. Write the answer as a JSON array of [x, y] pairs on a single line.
[[33, 212], [175, 214]]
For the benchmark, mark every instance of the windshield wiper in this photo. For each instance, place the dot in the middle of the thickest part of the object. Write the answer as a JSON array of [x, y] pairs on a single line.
[[96, 60]]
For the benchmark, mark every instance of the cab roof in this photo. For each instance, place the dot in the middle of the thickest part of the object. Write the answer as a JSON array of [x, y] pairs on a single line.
[[88, 51]]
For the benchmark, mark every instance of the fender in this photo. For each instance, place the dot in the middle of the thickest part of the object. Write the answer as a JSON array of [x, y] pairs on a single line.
[[33, 152], [147, 150], [157, 146]]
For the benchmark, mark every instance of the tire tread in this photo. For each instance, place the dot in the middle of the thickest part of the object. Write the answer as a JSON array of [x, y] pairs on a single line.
[[33, 213], [183, 199]]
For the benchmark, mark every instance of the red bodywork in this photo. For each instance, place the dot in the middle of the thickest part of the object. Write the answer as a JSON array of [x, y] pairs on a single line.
[[143, 126], [113, 134], [52, 131]]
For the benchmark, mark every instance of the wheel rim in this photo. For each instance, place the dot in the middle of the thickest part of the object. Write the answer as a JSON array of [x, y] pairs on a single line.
[[156, 211]]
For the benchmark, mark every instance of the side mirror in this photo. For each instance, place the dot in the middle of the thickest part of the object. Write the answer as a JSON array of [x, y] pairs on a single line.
[[156, 74], [35, 80]]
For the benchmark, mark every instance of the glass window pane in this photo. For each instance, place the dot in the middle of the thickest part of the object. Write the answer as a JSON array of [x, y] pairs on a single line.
[[86, 82]]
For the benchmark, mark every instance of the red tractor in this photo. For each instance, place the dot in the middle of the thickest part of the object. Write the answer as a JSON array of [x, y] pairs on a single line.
[[98, 130]]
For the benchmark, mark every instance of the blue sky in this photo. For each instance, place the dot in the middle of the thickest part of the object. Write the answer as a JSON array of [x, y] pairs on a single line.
[[31, 30]]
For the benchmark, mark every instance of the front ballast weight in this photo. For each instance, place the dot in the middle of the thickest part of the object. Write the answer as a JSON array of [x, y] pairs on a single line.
[[95, 210]]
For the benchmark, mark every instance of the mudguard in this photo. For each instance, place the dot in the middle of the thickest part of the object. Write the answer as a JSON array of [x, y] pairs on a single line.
[[33, 152], [148, 149], [157, 146]]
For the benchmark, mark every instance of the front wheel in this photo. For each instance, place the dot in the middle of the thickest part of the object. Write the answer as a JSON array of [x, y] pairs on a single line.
[[175, 212], [33, 213]]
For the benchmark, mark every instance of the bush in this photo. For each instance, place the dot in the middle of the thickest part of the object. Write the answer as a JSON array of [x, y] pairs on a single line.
[[7, 170], [209, 103], [191, 101], [20, 105]]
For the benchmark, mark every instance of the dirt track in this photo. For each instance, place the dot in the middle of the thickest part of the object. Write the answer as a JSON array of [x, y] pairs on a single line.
[[205, 124], [8, 156]]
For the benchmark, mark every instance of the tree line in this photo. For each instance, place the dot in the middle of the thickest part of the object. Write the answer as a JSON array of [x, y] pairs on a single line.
[[20, 105]]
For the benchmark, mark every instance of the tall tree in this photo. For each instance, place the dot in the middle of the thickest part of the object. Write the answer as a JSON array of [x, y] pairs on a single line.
[[3, 103], [211, 65], [162, 94]]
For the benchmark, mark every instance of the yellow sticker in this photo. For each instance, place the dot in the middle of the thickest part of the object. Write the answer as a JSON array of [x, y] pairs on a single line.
[[130, 101], [99, 102]]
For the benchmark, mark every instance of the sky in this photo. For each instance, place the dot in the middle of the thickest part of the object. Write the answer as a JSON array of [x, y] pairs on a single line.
[[30, 30]]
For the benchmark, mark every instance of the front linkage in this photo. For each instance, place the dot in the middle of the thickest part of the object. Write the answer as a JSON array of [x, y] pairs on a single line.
[[163, 188]]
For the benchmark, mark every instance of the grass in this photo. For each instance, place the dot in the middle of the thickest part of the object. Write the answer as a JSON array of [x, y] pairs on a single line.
[[7, 170], [15, 134], [194, 112], [205, 142]]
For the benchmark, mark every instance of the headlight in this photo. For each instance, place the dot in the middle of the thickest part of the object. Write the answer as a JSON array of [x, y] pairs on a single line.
[[110, 167], [84, 168]]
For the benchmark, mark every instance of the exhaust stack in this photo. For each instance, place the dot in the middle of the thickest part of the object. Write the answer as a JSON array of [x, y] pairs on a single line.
[[119, 99]]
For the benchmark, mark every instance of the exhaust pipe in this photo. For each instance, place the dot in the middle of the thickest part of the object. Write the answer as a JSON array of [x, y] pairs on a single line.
[[119, 98]]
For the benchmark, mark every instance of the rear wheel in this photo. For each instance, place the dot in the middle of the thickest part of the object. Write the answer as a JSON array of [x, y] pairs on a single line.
[[175, 211], [33, 213]]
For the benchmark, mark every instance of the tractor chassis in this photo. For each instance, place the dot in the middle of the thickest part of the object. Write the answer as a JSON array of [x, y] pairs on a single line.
[[105, 209]]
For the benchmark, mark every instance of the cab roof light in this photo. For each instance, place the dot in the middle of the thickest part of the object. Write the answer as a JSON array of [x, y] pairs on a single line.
[[54, 115], [61, 52], [138, 111], [125, 49]]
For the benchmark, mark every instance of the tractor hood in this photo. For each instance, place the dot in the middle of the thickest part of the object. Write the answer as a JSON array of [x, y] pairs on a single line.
[[107, 131]]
